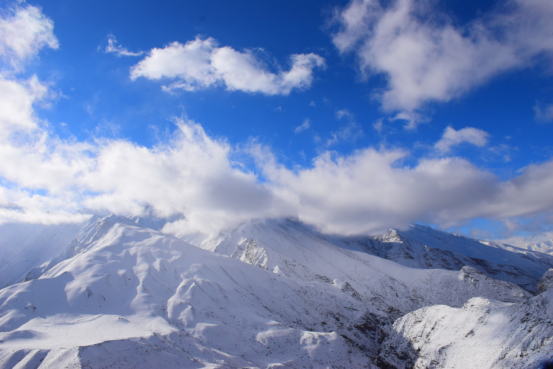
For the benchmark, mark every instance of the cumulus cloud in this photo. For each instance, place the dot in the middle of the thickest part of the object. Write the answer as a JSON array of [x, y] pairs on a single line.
[[200, 64], [194, 174], [425, 57], [201, 177], [114, 47], [303, 127], [451, 138], [23, 32]]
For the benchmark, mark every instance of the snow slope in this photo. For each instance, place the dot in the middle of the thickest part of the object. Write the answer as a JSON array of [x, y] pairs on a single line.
[[483, 334], [296, 250], [153, 299], [425, 247], [127, 296], [291, 249]]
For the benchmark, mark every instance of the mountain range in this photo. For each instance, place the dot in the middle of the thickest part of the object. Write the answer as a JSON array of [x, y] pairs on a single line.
[[118, 292]]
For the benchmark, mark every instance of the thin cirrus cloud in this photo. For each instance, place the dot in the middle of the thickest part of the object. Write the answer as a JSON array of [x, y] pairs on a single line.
[[351, 131], [303, 127], [115, 48], [543, 113], [425, 57], [194, 174], [451, 138], [200, 64]]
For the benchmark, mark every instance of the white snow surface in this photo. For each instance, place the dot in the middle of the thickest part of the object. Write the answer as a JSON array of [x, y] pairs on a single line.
[[425, 247], [121, 295], [483, 334], [275, 243]]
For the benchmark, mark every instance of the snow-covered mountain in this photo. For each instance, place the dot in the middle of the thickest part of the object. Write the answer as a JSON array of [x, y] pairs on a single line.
[[267, 294], [482, 334], [542, 242], [545, 247], [273, 243], [425, 247]]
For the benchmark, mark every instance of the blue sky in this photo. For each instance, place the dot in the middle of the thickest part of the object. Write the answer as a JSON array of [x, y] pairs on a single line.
[[332, 111]]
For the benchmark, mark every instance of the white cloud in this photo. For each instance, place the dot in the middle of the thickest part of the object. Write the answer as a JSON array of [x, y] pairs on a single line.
[[39, 217], [194, 174], [544, 113], [16, 104], [201, 64], [348, 132], [199, 176], [451, 138], [344, 113], [114, 47], [23, 32], [427, 58], [378, 125], [303, 127]]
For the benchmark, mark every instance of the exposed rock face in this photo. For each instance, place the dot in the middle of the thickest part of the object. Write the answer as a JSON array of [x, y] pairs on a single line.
[[546, 282]]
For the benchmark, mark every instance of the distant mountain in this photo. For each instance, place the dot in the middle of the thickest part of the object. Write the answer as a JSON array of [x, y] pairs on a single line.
[[542, 242], [545, 246], [273, 243], [125, 295]]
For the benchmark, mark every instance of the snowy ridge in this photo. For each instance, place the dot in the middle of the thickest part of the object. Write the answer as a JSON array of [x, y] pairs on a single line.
[[290, 249], [294, 250], [425, 247], [483, 334], [163, 301], [90, 232], [132, 295]]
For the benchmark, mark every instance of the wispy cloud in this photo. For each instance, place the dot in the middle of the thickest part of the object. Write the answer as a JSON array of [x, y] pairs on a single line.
[[200, 64], [544, 113], [350, 131], [303, 127], [114, 47]]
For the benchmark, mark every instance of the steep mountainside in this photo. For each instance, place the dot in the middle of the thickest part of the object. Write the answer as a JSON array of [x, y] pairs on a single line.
[[483, 334], [424, 247], [290, 249], [275, 243], [127, 295], [145, 299]]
